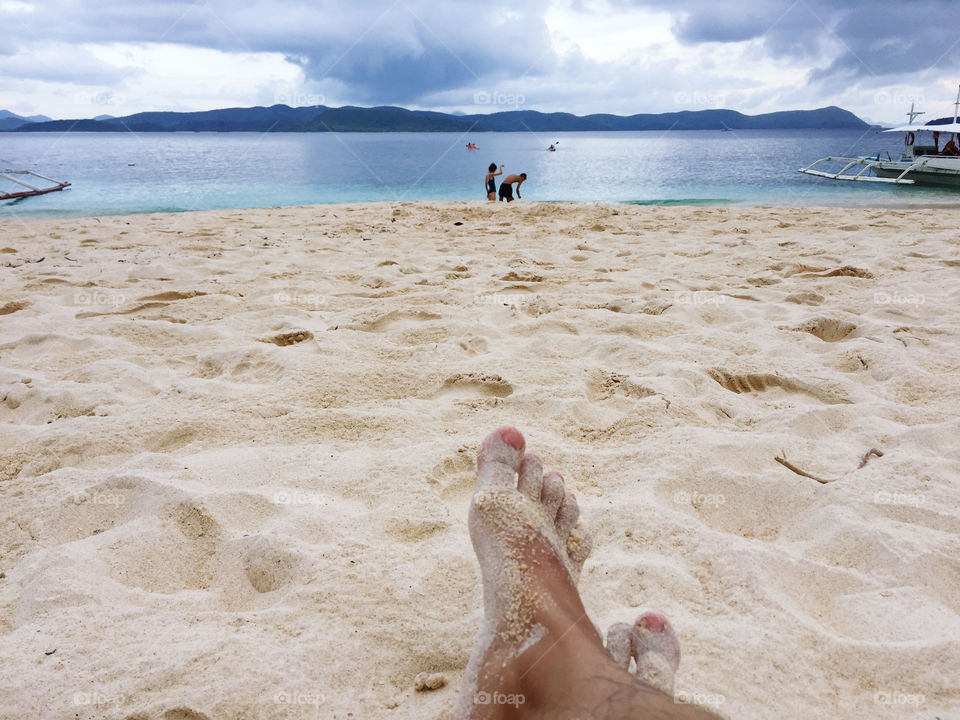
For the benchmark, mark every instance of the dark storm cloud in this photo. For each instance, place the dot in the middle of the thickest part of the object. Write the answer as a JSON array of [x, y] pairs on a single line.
[[414, 52], [864, 37], [890, 38], [376, 50], [409, 52]]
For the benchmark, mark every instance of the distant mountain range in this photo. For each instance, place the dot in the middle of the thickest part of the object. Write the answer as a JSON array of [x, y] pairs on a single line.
[[11, 121], [281, 118]]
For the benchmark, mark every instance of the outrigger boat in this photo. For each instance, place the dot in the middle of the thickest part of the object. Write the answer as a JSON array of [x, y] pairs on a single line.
[[31, 189], [920, 164]]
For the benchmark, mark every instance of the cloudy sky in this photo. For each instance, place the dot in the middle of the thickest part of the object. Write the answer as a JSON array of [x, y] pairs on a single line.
[[83, 58]]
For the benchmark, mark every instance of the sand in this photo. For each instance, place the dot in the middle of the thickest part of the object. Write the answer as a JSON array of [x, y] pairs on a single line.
[[237, 450]]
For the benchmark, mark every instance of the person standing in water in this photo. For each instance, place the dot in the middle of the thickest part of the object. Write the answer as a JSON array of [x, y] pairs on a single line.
[[506, 187], [490, 183]]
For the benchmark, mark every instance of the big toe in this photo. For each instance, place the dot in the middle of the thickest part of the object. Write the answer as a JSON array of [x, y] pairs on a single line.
[[499, 458], [657, 651], [652, 644]]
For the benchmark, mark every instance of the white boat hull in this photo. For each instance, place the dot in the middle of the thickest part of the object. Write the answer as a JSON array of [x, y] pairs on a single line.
[[940, 171]]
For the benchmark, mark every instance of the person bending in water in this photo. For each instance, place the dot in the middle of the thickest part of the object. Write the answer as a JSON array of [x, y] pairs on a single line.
[[537, 654], [490, 183], [506, 189]]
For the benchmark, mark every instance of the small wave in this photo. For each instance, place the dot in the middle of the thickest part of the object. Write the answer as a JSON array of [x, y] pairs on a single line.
[[681, 201]]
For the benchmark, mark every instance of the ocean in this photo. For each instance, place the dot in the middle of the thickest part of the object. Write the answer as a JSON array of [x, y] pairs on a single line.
[[116, 173]]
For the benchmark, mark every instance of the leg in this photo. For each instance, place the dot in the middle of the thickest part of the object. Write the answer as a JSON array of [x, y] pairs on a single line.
[[538, 655]]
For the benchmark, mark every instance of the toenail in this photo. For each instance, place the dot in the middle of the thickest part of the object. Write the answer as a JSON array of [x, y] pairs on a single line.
[[654, 623], [512, 437]]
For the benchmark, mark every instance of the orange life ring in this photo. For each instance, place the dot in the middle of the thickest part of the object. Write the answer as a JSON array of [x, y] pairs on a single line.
[[908, 140]]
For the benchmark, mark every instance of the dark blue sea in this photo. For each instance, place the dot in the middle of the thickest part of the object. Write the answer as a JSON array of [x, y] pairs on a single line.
[[154, 172]]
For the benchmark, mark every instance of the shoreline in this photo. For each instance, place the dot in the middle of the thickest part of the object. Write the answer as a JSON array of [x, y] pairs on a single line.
[[693, 203]]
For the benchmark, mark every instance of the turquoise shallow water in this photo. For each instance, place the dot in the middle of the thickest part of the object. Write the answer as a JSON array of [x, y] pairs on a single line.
[[152, 172]]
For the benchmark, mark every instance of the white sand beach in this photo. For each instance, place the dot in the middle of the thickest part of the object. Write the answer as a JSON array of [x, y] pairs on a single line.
[[237, 450]]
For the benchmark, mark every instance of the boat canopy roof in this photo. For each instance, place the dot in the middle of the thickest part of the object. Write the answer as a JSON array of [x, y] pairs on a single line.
[[945, 128]]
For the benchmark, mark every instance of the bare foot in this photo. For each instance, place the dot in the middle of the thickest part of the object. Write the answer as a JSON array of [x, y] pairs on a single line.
[[538, 654]]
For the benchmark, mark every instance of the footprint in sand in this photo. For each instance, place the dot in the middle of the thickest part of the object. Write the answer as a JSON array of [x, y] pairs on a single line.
[[425, 517], [827, 329], [390, 319], [12, 307], [99, 508], [267, 566], [791, 269], [655, 306], [804, 298], [174, 550], [184, 713], [473, 344], [852, 361], [173, 439], [743, 383], [763, 281], [183, 547], [476, 385], [375, 283], [289, 338], [845, 271], [138, 308], [172, 295], [602, 385], [514, 276], [455, 474], [460, 272]]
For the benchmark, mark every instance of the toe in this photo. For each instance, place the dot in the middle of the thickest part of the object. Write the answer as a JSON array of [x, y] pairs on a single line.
[[567, 515], [579, 545], [656, 634], [656, 649], [618, 644], [530, 481], [499, 458], [551, 495]]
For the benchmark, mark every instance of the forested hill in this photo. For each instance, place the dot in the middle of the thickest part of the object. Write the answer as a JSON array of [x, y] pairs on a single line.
[[281, 118]]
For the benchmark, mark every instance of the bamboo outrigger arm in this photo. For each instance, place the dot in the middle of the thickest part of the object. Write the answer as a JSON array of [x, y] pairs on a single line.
[[867, 163], [31, 189]]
